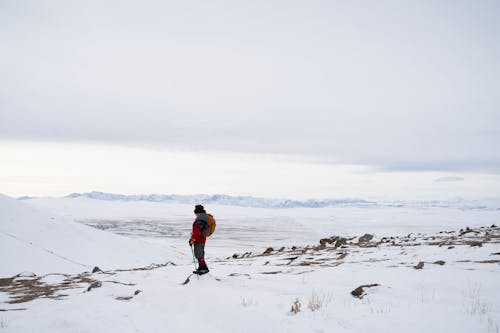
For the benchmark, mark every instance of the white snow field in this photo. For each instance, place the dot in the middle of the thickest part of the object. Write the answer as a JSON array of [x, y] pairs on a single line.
[[456, 289], [35, 240]]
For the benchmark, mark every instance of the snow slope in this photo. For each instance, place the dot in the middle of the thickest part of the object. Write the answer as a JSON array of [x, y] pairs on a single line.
[[37, 241], [255, 293], [456, 290]]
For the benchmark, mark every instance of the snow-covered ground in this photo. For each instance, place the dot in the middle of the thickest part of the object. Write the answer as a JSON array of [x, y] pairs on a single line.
[[36, 240], [246, 291]]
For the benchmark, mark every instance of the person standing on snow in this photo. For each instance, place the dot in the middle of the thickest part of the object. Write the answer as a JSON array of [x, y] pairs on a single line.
[[198, 238]]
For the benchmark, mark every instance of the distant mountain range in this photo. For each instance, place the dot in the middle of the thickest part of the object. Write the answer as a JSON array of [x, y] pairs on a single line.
[[249, 201], [222, 199]]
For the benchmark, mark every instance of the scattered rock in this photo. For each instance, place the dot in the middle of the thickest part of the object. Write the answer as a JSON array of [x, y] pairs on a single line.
[[466, 231], [489, 261], [319, 247], [5, 282], [95, 284], [235, 256], [323, 241], [291, 259], [475, 243], [246, 255], [25, 275], [420, 265], [96, 270], [359, 291], [188, 279], [268, 250], [342, 256], [439, 262], [340, 242], [137, 292], [281, 249], [365, 238], [450, 247], [239, 274]]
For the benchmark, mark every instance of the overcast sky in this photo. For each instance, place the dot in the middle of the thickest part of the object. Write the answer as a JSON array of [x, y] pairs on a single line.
[[384, 86]]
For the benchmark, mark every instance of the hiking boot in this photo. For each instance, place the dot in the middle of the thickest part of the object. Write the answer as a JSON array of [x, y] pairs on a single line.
[[203, 269]]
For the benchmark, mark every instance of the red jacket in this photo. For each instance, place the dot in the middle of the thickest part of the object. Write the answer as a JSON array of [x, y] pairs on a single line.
[[197, 233]]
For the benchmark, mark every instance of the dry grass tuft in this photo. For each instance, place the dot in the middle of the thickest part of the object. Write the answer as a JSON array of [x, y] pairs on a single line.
[[318, 300], [295, 306]]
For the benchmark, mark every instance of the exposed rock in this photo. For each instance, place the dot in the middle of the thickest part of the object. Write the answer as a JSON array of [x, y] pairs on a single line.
[[489, 261], [475, 243], [359, 291], [342, 256], [466, 231], [420, 265], [137, 292], [6, 281], [268, 250], [324, 241], [319, 247], [440, 262], [340, 241], [96, 270], [95, 284], [365, 238]]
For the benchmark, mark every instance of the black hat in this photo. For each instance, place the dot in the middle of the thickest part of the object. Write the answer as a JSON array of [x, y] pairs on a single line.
[[199, 209]]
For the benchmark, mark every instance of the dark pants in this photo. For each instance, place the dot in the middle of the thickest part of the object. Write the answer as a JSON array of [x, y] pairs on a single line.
[[199, 250]]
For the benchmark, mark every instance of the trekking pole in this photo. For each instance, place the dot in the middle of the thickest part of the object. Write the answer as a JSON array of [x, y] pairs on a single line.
[[194, 260]]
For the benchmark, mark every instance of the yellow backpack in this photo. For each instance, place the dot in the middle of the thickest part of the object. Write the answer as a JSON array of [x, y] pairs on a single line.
[[210, 227]]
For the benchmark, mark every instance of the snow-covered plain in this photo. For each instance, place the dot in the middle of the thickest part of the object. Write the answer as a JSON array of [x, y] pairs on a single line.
[[245, 290]]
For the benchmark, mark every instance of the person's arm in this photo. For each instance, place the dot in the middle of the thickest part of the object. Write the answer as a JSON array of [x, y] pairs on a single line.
[[195, 234]]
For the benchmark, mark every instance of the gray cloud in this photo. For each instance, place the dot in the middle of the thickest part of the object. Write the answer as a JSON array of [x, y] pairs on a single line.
[[411, 86]]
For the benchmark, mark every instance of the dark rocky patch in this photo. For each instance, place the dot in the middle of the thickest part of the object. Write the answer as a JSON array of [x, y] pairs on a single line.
[[359, 292], [420, 265], [269, 250], [95, 284], [365, 238]]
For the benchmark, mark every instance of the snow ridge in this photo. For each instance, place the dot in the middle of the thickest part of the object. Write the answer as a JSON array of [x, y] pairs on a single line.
[[257, 202], [222, 199]]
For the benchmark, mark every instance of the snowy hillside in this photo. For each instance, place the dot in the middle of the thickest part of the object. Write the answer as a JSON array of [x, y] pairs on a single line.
[[335, 269], [36, 241]]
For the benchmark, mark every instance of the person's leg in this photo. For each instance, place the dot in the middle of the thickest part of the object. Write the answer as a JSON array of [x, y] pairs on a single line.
[[199, 253]]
